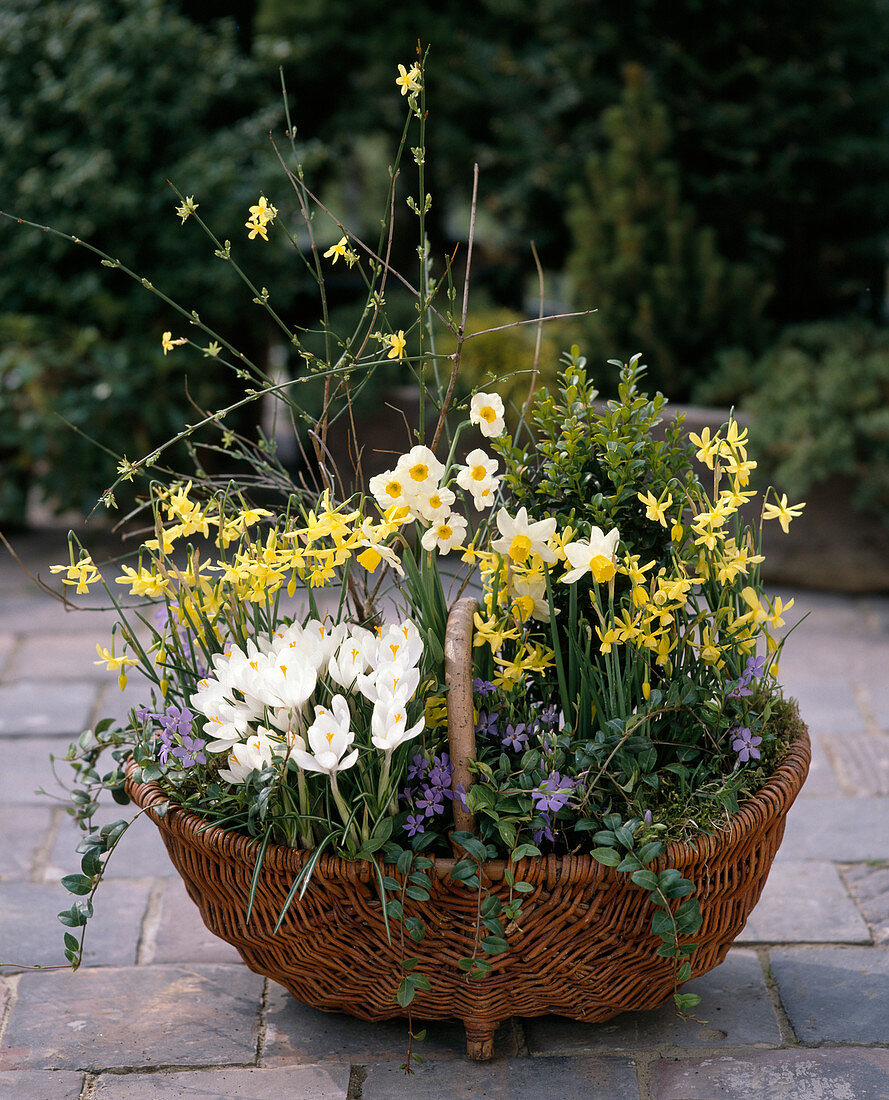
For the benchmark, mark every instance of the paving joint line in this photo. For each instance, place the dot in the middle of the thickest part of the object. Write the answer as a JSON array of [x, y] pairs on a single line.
[[357, 1077], [90, 1084], [149, 927], [262, 1027], [41, 857], [785, 1027]]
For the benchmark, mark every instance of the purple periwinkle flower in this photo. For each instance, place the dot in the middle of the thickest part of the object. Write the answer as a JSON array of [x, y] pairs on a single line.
[[754, 668], [483, 688], [414, 824], [515, 738], [418, 767], [646, 817], [430, 801], [745, 743], [460, 794], [440, 773], [486, 726], [190, 752], [544, 833], [553, 793]]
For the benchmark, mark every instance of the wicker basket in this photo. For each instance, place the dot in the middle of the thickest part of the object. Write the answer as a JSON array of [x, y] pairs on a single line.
[[584, 949]]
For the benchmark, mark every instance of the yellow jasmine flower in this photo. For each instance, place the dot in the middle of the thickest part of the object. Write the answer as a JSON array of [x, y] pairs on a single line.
[[409, 79], [257, 229], [212, 350], [168, 343], [186, 209], [782, 512], [263, 212], [397, 344], [336, 250]]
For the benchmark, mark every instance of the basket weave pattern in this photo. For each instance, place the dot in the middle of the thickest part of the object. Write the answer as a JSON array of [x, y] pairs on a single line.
[[584, 948]]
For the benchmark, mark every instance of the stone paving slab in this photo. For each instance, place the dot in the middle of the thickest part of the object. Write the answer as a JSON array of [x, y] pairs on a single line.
[[27, 612], [805, 902], [842, 830], [32, 935], [141, 852], [509, 1079], [24, 829], [870, 885], [40, 1085], [181, 936], [40, 707], [59, 656], [735, 1008], [298, 1033], [862, 763], [134, 1018], [296, 1082], [822, 780], [25, 768], [7, 643], [777, 1075], [834, 994]]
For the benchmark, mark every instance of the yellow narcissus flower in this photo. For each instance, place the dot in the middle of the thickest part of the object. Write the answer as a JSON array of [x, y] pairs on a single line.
[[82, 573], [656, 509], [782, 512]]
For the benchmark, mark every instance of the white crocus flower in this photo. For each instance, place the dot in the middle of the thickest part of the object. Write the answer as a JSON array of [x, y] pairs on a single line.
[[486, 410], [401, 643], [520, 538], [329, 738], [356, 655], [446, 534], [389, 682], [595, 556], [388, 725], [251, 755]]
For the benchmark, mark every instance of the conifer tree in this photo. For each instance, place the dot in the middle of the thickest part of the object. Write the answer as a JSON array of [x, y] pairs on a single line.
[[641, 259]]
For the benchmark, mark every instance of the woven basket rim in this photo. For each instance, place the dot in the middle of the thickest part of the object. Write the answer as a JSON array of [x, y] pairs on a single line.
[[752, 817]]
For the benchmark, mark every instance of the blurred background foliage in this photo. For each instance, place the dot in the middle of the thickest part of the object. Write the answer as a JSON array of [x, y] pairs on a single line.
[[710, 176]]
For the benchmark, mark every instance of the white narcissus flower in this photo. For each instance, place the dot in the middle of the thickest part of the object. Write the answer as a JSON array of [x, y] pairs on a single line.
[[251, 755], [446, 534], [420, 469], [520, 537], [388, 725], [595, 556], [390, 489], [478, 477], [486, 410], [433, 506], [329, 738]]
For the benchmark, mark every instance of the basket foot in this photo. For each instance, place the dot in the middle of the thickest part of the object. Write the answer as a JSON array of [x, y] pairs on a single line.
[[480, 1041]]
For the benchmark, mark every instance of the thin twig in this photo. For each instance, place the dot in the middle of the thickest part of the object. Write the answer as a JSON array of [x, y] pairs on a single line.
[[461, 332]]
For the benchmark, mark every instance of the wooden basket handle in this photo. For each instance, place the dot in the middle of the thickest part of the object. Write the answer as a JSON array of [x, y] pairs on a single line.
[[461, 715]]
